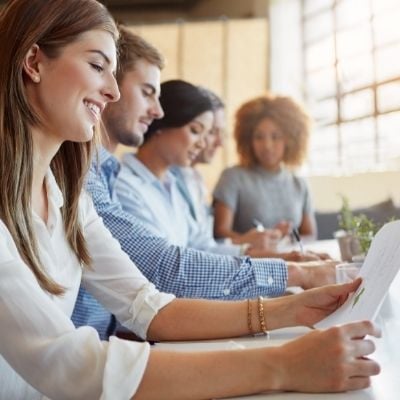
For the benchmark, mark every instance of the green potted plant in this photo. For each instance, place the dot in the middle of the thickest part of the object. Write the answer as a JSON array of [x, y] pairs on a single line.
[[348, 241], [365, 230], [356, 232]]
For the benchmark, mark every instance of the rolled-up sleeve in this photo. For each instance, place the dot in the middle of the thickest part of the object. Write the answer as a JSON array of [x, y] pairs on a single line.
[[115, 281], [124, 368], [39, 344], [42, 353]]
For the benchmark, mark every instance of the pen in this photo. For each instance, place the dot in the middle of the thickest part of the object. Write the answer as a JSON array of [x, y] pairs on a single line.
[[258, 225], [296, 235]]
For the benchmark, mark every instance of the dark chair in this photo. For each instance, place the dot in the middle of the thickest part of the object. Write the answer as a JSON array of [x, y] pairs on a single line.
[[380, 213]]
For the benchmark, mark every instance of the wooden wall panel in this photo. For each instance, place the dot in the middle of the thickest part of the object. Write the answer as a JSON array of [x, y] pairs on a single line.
[[202, 54], [247, 69], [165, 37]]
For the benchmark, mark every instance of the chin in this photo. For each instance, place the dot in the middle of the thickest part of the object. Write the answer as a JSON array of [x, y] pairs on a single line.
[[136, 139], [86, 136]]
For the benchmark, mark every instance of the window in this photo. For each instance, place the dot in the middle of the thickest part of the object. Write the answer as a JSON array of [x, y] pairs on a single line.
[[351, 68]]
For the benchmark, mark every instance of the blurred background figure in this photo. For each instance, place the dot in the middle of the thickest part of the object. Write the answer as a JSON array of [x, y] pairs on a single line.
[[271, 134], [147, 188], [190, 180]]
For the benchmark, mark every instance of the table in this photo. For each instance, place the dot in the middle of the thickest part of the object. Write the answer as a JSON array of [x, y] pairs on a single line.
[[329, 246], [385, 386]]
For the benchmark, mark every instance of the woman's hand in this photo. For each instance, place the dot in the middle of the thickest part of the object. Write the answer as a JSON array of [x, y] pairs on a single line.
[[306, 256], [309, 307], [285, 227], [311, 274], [315, 304], [265, 240], [333, 360]]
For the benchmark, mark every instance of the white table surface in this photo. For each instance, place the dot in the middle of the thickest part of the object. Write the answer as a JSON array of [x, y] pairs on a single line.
[[385, 386]]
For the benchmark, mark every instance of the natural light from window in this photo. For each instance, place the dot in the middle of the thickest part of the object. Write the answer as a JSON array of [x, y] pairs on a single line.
[[351, 72]]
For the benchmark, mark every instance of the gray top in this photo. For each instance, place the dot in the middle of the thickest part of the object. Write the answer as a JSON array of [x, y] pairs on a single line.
[[269, 197]]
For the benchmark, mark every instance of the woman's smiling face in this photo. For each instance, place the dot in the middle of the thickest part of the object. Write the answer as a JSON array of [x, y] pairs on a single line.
[[268, 143], [181, 146], [74, 88]]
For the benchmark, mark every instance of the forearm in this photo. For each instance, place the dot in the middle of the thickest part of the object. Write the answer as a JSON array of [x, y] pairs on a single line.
[[208, 375], [334, 360], [236, 237], [255, 252], [311, 273], [295, 274], [308, 227], [185, 319]]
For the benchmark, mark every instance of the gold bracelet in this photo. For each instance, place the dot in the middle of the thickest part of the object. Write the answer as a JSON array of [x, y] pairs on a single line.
[[263, 326], [249, 317]]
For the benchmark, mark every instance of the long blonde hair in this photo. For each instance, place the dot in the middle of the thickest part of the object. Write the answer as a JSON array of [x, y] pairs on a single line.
[[52, 25]]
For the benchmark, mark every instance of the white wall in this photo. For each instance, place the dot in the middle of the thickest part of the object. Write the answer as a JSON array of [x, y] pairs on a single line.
[[362, 190], [285, 48]]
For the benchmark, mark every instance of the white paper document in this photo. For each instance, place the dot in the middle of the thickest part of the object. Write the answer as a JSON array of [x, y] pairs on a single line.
[[378, 271]]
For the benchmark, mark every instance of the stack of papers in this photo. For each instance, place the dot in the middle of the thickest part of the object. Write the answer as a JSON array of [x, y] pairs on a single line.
[[378, 271]]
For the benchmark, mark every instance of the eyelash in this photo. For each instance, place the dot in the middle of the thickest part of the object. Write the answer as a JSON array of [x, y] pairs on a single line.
[[195, 131], [97, 67], [146, 94]]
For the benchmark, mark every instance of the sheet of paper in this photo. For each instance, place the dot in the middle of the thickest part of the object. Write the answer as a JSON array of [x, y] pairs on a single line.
[[378, 271]]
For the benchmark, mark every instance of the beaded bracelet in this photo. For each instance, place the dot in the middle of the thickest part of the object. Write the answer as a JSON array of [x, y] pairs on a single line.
[[263, 326]]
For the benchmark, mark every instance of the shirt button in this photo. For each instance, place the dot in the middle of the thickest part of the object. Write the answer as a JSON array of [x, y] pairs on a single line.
[[226, 292], [270, 280]]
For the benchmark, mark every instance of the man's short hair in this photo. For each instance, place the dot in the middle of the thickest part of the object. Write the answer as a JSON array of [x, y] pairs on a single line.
[[131, 49]]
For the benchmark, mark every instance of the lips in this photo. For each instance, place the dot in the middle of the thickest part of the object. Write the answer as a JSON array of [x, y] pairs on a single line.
[[192, 155], [94, 108], [145, 122]]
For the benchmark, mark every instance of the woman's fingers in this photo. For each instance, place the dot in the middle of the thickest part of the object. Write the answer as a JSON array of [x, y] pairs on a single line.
[[364, 367], [332, 360], [363, 347], [356, 330], [357, 383]]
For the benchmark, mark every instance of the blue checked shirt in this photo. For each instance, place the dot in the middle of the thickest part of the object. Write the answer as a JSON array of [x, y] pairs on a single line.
[[184, 272]]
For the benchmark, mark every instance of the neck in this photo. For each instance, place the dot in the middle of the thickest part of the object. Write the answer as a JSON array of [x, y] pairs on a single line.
[[273, 169], [44, 149], [108, 142], [152, 160]]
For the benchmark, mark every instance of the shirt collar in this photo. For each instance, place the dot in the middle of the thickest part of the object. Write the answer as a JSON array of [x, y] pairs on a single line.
[[53, 191], [105, 158], [131, 162]]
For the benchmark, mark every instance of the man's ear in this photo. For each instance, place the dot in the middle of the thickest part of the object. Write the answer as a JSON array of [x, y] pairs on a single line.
[[31, 63]]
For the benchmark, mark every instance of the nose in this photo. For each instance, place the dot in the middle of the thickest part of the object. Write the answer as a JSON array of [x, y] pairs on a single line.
[[201, 142], [219, 139], [157, 111], [110, 90], [268, 143]]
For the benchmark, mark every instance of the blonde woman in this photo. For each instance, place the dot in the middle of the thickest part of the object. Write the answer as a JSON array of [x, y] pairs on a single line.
[[57, 74]]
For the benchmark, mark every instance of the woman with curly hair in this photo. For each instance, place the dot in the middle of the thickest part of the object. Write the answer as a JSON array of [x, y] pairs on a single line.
[[271, 134]]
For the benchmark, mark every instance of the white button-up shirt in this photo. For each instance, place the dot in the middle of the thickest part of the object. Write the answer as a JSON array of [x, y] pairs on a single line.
[[42, 354], [161, 207]]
